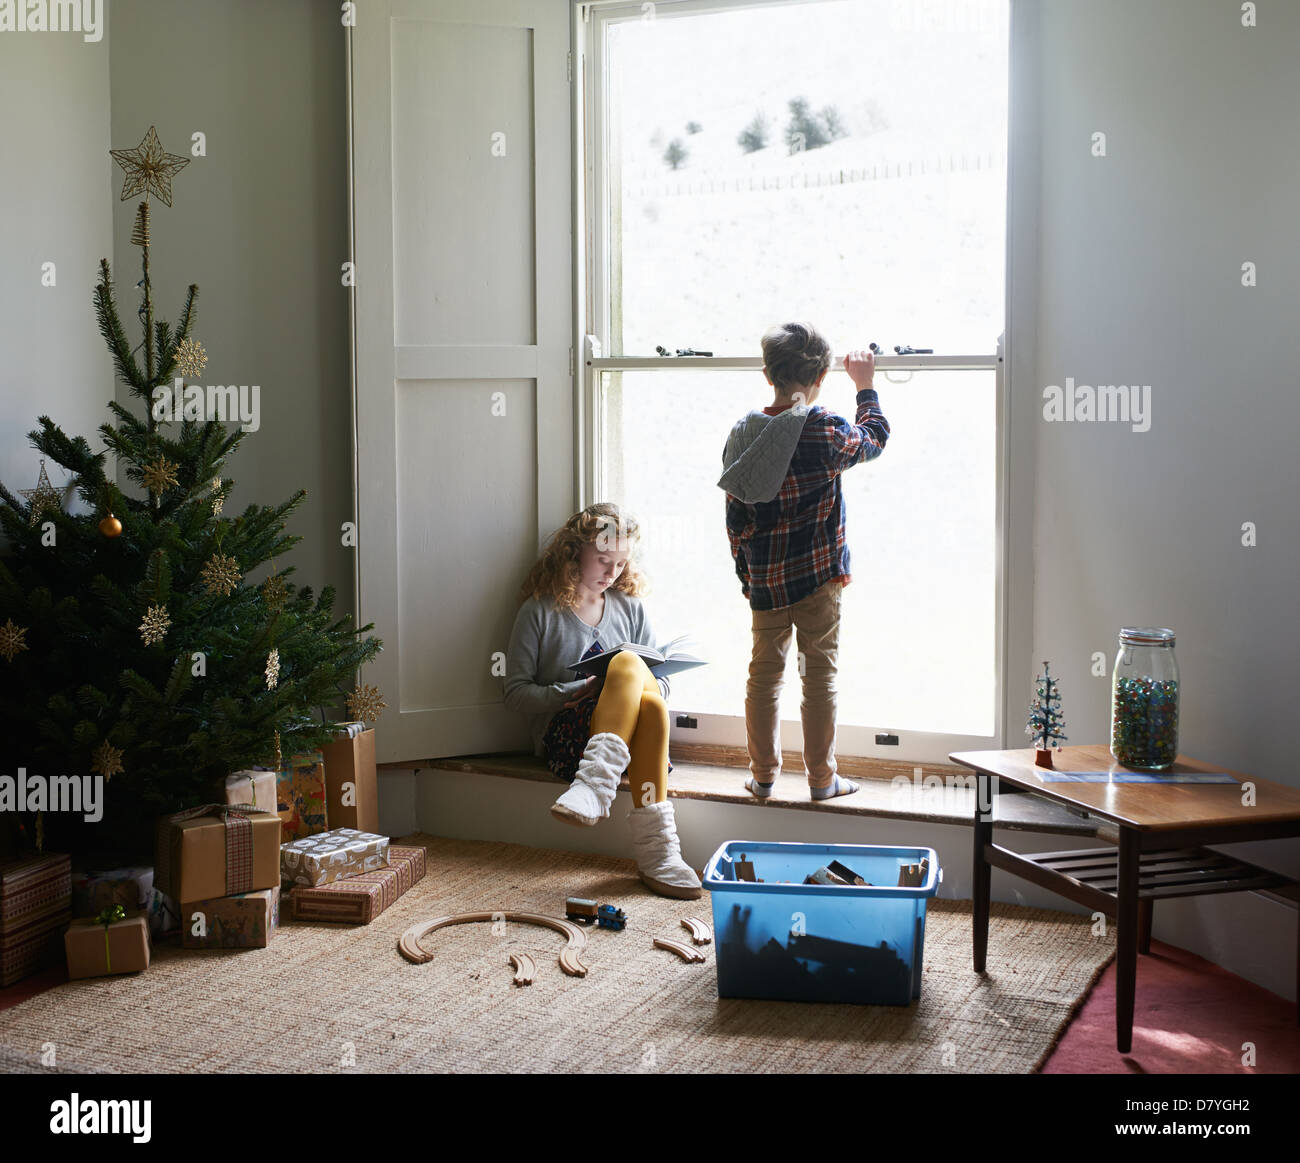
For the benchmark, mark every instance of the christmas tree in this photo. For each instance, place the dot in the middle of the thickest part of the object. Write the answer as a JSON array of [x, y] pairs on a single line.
[[132, 646], [1045, 720]]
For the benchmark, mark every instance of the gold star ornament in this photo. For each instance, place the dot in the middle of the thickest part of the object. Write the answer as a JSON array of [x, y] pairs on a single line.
[[11, 639], [149, 168], [107, 760], [43, 497], [365, 704]]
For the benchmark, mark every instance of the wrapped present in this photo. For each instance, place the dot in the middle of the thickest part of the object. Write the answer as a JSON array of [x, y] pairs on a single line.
[[92, 892], [351, 783], [247, 920], [163, 913], [252, 787], [217, 850], [35, 907], [332, 855], [300, 797], [358, 900], [115, 941]]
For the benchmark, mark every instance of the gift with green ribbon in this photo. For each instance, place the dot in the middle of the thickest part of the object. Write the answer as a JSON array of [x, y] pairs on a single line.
[[129, 932]]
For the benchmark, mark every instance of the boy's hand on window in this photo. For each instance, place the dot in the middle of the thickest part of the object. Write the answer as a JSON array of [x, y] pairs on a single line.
[[861, 367]]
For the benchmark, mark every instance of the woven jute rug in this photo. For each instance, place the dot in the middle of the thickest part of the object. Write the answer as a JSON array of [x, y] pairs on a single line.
[[342, 999]]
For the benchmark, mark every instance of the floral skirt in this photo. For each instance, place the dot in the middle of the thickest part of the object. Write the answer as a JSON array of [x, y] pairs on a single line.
[[566, 739]]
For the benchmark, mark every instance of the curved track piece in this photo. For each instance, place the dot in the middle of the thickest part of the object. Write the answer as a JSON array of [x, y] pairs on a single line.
[[685, 952], [525, 968], [409, 942], [700, 932]]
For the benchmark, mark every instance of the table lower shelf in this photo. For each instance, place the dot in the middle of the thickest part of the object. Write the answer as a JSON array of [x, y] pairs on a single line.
[[1090, 877]]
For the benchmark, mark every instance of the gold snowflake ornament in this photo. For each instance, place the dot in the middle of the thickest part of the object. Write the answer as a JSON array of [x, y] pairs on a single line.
[[365, 704], [44, 496], [272, 670], [190, 357], [220, 574], [159, 476], [274, 592], [149, 168], [11, 639], [155, 625], [107, 760]]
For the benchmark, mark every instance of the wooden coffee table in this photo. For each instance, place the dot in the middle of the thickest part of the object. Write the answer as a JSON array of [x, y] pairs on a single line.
[[1158, 831]]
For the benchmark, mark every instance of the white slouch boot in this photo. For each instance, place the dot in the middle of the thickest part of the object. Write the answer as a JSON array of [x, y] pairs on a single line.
[[659, 854], [587, 800]]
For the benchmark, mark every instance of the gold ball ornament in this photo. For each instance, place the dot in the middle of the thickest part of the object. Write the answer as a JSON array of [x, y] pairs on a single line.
[[110, 526]]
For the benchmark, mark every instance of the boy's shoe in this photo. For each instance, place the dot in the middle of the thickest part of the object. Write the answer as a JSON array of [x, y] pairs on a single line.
[[659, 855], [837, 787], [759, 790], [587, 800]]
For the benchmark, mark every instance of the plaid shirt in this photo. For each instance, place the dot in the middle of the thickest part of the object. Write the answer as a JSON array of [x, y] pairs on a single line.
[[788, 547]]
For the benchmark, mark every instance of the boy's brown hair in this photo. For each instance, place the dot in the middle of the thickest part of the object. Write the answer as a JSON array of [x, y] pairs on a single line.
[[795, 354]]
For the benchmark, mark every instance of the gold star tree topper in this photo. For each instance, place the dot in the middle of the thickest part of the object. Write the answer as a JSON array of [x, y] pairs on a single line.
[[149, 168], [44, 496]]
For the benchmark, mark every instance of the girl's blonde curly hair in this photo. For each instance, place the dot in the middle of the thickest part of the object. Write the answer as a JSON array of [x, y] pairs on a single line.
[[557, 572]]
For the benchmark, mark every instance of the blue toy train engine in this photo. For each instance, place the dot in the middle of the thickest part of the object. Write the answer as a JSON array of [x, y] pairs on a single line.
[[587, 912]]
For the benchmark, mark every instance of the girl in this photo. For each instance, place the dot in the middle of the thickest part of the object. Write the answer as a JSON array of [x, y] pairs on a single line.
[[579, 600]]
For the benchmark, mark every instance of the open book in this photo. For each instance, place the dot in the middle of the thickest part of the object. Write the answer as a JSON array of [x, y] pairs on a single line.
[[668, 659]]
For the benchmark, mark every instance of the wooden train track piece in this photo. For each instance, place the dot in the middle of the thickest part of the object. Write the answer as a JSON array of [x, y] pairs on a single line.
[[685, 952], [525, 968], [699, 930], [409, 942]]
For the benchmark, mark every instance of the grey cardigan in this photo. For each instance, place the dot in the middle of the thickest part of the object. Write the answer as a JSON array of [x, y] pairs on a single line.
[[546, 640]]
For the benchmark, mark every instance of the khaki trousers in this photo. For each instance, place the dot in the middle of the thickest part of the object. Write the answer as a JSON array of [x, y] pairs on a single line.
[[816, 623]]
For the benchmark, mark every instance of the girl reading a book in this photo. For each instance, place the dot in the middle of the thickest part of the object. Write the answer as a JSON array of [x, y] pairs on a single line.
[[580, 600]]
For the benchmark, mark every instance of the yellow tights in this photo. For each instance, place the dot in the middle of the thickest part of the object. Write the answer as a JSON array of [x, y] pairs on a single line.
[[631, 706]]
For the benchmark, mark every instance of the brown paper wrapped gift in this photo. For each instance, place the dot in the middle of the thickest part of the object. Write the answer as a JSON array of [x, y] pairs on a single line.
[[358, 900], [217, 850], [35, 904], [95, 949], [351, 783], [245, 921], [251, 787]]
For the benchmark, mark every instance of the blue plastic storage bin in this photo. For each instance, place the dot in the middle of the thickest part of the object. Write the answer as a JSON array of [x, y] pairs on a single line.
[[813, 942]]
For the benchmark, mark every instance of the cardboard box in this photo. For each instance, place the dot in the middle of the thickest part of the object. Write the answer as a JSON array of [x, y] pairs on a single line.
[[35, 907], [247, 920], [358, 900], [351, 780], [332, 855], [191, 861], [95, 950], [300, 797], [252, 787]]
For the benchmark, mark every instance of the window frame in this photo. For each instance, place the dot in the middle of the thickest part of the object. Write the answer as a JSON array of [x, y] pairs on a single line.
[[593, 255]]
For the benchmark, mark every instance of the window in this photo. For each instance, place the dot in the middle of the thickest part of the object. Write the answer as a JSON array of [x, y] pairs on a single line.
[[839, 162]]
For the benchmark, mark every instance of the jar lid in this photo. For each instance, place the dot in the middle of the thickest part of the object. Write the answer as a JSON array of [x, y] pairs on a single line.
[[1146, 636]]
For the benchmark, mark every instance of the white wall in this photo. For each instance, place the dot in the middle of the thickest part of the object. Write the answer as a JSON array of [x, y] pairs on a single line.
[[54, 207]]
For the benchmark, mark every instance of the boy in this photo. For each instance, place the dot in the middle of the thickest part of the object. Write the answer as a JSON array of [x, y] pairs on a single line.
[[785, 521]]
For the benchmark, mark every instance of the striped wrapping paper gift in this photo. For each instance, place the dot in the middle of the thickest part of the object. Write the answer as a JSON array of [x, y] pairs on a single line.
[[35, 907], [358, 900]]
